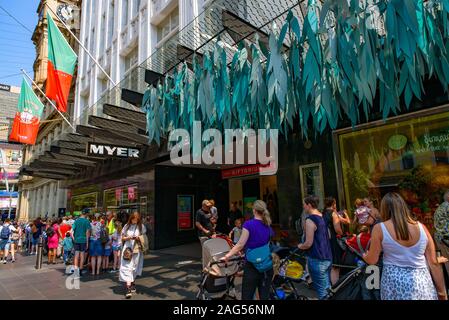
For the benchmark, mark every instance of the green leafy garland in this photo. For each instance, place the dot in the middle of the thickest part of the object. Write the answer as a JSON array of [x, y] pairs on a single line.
[[345, 54]]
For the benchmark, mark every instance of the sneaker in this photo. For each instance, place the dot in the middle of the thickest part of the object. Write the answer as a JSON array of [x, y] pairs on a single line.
[[4, 262], [133, 288], [84, 271], [129, 293], [112, 271], [13, 260]]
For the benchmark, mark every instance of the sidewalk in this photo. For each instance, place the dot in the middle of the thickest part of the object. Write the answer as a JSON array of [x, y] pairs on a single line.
[[172, 274]]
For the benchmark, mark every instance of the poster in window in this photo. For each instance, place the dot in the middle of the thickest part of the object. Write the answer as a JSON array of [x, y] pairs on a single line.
[[132, 193], [185, 212]]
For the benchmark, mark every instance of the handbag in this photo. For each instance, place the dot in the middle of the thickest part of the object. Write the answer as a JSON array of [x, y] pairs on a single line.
[[128, 252]]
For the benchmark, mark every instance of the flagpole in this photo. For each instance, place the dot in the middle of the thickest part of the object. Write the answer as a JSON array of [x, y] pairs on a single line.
[[82, 46], [51, 102]]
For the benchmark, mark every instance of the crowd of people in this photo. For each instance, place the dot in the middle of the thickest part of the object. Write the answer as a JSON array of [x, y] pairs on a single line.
[[99, 242], [401, 246]]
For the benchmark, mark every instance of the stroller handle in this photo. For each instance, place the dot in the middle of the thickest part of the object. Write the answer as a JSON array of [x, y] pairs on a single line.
[[226, 262]]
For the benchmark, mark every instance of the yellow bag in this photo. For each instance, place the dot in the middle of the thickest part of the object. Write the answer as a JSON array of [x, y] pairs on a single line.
[[294, 270]]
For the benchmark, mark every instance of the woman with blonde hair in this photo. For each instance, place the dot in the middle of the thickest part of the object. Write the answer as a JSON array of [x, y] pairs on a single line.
[[408, 255], [255, 238]]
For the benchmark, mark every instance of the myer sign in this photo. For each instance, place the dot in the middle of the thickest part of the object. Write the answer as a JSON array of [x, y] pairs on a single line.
[[108, 150]]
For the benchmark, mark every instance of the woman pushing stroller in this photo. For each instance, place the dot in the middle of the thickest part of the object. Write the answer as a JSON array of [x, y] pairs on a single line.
[[255, 238]]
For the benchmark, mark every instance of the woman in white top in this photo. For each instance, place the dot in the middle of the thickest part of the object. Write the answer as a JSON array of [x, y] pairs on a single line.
[[129, 269], [408, 255]]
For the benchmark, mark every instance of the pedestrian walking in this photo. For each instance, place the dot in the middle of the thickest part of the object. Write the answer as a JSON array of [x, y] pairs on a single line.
[[81, 235], [95, 246], [131, 264], [317, 244], [408, 255], [255, 238], [6, 231], [116, 246]]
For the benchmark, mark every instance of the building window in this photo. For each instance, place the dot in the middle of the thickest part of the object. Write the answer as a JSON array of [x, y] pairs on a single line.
[[131, 60], [103, 31], [110, 23], [136, 6], [124, 12], [170, 23]]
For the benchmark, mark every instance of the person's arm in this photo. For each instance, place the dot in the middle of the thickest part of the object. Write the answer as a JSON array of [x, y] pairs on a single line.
[[346, 220], [200, 227], [88, 236], [336, 222], [310, 232], [435, 267], [372, 255], [231, 233], [239, 246]]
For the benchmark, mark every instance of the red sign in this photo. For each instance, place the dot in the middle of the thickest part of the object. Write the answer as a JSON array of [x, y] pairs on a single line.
[[184, 220], [131, 193], [248, 170]]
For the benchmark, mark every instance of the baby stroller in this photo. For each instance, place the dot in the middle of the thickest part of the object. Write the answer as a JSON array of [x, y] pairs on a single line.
[[289, 269], [354, 284], [353, 249], [217, 280]]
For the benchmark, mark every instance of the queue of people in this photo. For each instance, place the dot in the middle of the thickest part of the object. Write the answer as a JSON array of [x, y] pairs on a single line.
[[411, 269]]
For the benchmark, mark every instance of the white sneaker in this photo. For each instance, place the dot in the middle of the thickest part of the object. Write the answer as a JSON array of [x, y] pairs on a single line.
[[5, 262]]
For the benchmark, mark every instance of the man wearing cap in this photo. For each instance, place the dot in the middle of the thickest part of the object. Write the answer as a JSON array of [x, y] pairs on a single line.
[[203, 223]]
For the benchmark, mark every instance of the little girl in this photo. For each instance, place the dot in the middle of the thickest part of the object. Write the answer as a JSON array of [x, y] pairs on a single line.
[[116, 245]]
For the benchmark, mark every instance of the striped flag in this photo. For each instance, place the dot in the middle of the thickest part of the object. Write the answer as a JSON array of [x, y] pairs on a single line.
[[61, 66], [26, 122]]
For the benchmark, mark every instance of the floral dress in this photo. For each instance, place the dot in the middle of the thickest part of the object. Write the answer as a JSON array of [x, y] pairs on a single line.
[[130, 269]]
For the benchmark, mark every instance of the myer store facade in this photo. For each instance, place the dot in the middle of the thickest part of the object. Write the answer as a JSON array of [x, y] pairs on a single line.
[[408, 153]]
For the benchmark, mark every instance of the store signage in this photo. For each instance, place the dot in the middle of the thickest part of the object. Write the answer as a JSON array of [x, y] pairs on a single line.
[[10, 175], [108, 150], [254, 169], [185, 212], [5, 87]]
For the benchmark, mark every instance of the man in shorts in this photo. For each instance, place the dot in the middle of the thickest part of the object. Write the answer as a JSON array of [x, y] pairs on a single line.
[[81, 234]]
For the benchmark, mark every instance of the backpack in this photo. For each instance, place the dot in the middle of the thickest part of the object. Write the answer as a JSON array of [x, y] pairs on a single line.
[[50, 232], [6, 232], [104, 236]]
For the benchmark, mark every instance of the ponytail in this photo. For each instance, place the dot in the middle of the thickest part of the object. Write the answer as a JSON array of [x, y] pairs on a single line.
[[261, 207]]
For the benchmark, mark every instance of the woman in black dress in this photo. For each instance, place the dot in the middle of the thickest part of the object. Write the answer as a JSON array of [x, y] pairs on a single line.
[[334, 221]]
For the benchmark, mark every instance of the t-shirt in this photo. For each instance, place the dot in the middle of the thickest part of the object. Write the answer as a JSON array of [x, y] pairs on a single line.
[[96, 230], [214, 212], [236, 234], [67, 244], [65, 227], [11, 229], [80, 228], [259, 233], [116, 238], [203, 218]]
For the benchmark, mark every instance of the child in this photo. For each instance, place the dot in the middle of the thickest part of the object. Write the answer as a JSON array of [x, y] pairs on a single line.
[[67, 245], [236, 232], [362, 213], [213, 221], [107, 253], [116, 245]]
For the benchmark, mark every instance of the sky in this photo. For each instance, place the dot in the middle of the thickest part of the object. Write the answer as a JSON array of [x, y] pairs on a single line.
[[17, 51]]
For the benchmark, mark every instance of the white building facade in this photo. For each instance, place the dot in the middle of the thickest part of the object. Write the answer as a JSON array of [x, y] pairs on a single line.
[[121, 34]]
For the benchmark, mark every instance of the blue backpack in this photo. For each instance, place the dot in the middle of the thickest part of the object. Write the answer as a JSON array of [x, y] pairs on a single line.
[[6, 232], [260, 257]]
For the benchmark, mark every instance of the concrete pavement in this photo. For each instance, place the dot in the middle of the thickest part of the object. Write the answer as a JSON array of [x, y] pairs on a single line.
[[172, 274]]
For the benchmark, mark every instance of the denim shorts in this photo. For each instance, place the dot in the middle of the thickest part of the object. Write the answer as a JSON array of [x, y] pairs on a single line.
[[107, 252], [5, 244], [116, 248], [96, 248], [34, 241], [80, 247]]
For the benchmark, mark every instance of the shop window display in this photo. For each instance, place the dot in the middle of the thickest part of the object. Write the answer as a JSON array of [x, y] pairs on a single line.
[[409, 156]]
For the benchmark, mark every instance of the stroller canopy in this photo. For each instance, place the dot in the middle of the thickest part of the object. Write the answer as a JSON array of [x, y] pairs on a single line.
[[213, 250]]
